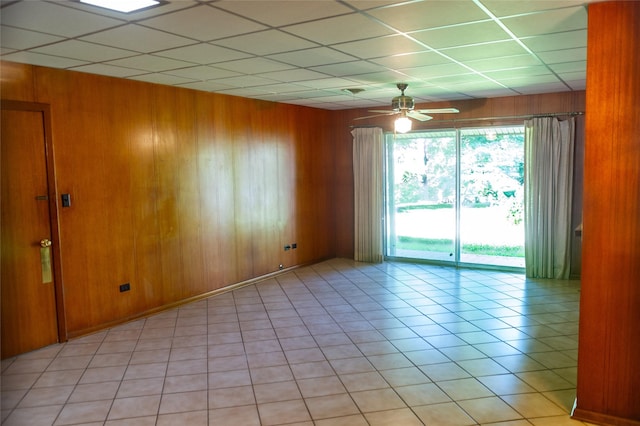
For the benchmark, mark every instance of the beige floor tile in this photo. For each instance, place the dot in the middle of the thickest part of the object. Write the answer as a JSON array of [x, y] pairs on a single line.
[[321, 386], [274, 392], [293, 411], [445, 414], [460, 389], [245, 415], [192, 418], [323, 407], [354, 420], [46, 396], [44, 415], [84, 412], [489, 410], [183, 402], [377, 400], [505, 384], [532, 405], [340, 334], [423, 394], [405, 376], [364, 381], [141, 387], [94, 392], [402, 416], [135, 406], [231, 397]]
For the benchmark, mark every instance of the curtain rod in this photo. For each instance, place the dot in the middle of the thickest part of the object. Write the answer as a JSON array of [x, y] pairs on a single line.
[[504, 117], [513, 117]]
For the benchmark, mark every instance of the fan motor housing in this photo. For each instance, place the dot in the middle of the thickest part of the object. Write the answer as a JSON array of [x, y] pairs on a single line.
[[400, 103]]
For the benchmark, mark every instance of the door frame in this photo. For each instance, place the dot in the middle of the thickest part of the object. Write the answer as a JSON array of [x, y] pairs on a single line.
[[53, 205]]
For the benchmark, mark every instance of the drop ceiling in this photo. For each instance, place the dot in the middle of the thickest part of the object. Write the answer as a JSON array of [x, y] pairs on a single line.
[[310, 52]]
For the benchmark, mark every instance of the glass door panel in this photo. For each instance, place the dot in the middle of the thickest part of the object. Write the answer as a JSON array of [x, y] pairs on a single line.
[[492, 196], [421, 193]]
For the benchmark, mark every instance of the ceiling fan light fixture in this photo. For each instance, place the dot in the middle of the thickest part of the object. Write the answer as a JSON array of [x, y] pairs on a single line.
[[402, 124], [124, 6]]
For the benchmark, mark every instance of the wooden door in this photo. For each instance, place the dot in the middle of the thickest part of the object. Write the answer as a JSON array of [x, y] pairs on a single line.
[[29, 317]]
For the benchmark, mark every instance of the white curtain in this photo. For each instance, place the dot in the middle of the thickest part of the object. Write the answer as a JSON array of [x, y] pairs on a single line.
[[368, 146], [549, 145]]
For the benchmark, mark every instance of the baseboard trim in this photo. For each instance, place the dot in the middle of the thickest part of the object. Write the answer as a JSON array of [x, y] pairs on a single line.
[[602, 419]]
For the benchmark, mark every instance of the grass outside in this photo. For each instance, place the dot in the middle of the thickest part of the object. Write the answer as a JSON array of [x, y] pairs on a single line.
[[446, 245]]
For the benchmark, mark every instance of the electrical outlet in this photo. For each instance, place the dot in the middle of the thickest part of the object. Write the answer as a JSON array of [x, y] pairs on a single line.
[[294, 245], [125, 287], [287, 247]]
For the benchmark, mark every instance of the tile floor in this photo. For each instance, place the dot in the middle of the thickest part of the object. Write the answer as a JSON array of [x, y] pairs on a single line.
[[336, 343]]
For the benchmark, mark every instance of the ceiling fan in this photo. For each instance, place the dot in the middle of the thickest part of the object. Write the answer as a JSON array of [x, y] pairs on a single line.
[[404, 105]]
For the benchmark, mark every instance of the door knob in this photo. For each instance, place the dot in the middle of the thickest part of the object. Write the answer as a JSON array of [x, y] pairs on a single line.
[[45, 243]]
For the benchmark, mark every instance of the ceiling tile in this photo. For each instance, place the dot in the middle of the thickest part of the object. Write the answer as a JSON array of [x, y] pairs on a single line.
[[279, 13], [530, 87], [266, 42], [206, 86], [503, 8], [253, 65], [161, 79], [485, 50], [570, 67], [201, 72], [390, 77], [149, 63], [84, 51], [41, 59], [15, 38], [203, 23], [413, 16], [411, 60], [339, 29], [536, 70], [461, 35], [565, 55], [262, 46], [435, 71], [105, 69], [564, 40], [244, 81], [503, 63], [347, 68], [140, 39], [312, 57], [380, 47], [293, 75], [329, 83], [554, 21], [202, 53], [54, 19]]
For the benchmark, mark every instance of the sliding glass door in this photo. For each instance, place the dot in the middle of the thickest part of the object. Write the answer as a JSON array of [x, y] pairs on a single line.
[[421, 190], [456, 196]]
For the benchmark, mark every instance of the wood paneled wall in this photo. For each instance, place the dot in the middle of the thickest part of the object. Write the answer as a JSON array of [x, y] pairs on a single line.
[[470, 110], [609, 349], [177, 192]]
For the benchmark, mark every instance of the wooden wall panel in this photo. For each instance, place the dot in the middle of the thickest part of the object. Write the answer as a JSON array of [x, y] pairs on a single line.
[[608, 372], [469, 109], [177, 192]]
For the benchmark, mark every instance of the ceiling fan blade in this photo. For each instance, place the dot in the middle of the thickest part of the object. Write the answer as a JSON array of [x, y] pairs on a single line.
[[438, 110], [418, 116], [384, 111], [377, 115]]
